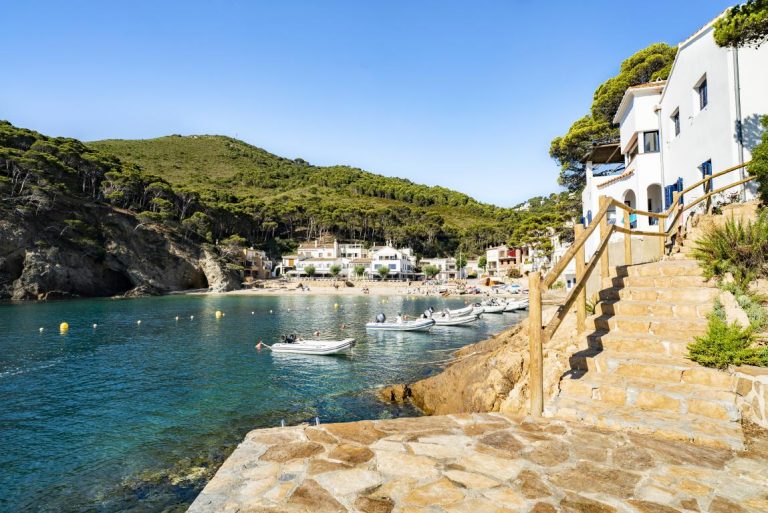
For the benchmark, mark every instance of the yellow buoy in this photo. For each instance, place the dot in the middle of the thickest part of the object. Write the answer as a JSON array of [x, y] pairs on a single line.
[[64, 327], [218, 314], [335, 305]]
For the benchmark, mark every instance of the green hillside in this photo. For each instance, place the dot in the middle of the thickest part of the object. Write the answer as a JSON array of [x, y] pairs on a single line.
[[274, 202]]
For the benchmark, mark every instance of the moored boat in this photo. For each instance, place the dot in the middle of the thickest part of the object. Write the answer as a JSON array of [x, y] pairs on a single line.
[[461, 311], [494, 308], [415, 325], [478, 310], [315, 347], [452, 320], [516, 304]]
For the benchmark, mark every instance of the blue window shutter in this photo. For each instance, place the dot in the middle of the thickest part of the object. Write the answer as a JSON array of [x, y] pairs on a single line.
[[589, 217], [680, 188], [668, 195]]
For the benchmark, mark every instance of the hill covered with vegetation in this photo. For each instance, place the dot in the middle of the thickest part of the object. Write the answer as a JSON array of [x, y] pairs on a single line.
[[274, 202]]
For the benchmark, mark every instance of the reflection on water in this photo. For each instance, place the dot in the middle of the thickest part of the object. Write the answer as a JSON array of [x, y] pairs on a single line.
[[135, 417]]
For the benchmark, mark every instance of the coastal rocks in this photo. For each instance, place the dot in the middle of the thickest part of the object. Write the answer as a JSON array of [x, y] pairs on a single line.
[[489, 376], [111, 254], [537, 467]]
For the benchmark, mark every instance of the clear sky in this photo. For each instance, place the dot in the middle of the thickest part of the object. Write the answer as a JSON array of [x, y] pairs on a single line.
[[465, 94]]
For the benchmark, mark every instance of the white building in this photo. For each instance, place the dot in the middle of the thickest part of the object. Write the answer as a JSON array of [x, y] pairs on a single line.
[[703, 119], [447, 267], [401, 263]]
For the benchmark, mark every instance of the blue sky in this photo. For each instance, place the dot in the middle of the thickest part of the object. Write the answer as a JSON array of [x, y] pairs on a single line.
[[462, 94]]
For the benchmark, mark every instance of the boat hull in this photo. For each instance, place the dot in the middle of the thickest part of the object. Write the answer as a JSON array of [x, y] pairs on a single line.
[[514, 306], [455, 321], [420, 325], [494, 309], [315, 347], [461, 311]]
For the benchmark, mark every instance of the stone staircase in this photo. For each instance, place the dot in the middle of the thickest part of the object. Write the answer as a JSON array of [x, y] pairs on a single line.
[[633, 374]]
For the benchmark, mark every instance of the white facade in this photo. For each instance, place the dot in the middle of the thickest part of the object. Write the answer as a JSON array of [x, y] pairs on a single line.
[[710, 92], [400, 262], [447, 266], [736, 94]]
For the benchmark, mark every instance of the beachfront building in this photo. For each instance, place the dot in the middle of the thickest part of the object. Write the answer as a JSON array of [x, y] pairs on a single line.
[[323, 254], [558, 251], [500, 259], [703, 119], [256, 265], [400, 262], [473, 268], [447, 266]]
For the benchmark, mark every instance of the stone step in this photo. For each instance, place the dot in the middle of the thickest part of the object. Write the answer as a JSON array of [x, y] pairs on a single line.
[[677, 295], [680, 267], [654, 309], [648, 368], [666, 425], [661, 326], [639, 343], [649, 400], [655, 281]]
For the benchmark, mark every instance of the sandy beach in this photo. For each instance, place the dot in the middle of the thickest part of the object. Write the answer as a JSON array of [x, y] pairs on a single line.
[[374, 288]]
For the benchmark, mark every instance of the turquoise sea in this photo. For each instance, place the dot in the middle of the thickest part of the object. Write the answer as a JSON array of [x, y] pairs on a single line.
[[135, 417]]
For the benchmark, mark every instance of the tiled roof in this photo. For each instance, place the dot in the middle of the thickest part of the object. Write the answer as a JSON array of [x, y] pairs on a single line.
[[622, 176]]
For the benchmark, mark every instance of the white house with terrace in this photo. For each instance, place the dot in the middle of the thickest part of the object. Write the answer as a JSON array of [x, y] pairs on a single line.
[[703, 119]]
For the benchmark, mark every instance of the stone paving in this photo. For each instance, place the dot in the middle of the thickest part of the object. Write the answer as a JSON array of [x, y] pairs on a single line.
[[478, 463]]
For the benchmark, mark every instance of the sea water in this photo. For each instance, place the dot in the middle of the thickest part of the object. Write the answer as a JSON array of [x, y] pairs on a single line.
[[136, 416]]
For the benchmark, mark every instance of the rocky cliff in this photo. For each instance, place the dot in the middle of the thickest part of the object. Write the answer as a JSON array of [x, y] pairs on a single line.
[[491, 375], [117, 256], [64, 233]]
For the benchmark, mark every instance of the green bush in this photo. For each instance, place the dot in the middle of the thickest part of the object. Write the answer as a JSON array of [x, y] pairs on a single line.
[[726, 344], [751, 303], [739, 248]]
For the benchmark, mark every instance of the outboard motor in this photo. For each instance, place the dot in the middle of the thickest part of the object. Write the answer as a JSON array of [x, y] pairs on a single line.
[[381, 318], [289, 339]]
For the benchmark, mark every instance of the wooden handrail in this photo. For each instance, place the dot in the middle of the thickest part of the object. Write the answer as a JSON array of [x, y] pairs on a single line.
[[537, 285], [717, 191], [578, 243], [619, 204], [563, 309]]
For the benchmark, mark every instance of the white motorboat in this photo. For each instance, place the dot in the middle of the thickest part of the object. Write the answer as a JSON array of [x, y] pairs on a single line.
[[461, 311], [414, 325], [494, 308], [317, 347], [478, 310], [453, 320], [516, 304]]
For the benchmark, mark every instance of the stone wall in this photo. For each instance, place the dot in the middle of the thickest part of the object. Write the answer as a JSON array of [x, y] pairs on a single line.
[[752, 394]]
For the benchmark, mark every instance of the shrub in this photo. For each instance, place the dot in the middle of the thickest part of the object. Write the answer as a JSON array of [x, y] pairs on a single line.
[[737, 247], [310, 270], [514, 272], [726, 344], [558, 285], [335, 269]]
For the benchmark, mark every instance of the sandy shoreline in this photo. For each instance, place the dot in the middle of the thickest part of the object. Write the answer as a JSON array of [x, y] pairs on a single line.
[[326, 288]]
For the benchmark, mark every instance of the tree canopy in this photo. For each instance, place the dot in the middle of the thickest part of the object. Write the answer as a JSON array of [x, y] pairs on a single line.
[[743, 25], [647, 65]]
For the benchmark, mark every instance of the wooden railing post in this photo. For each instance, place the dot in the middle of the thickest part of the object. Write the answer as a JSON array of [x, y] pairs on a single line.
[[581, 300], [536, 364], [604, 264], [677, 220], [663, 235], [627, 240]]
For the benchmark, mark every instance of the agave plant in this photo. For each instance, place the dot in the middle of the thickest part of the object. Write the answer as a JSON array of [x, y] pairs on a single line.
[[737, 247]]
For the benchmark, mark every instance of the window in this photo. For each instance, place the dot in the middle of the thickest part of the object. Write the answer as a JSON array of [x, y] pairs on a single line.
[[701, 89], [651, 142], [676, 122]]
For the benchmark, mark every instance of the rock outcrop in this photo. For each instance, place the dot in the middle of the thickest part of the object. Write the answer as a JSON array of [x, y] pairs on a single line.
[[114, 255], [489, 376]]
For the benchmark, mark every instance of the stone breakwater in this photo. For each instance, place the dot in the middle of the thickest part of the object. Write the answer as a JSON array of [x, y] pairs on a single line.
[[478, 463]]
